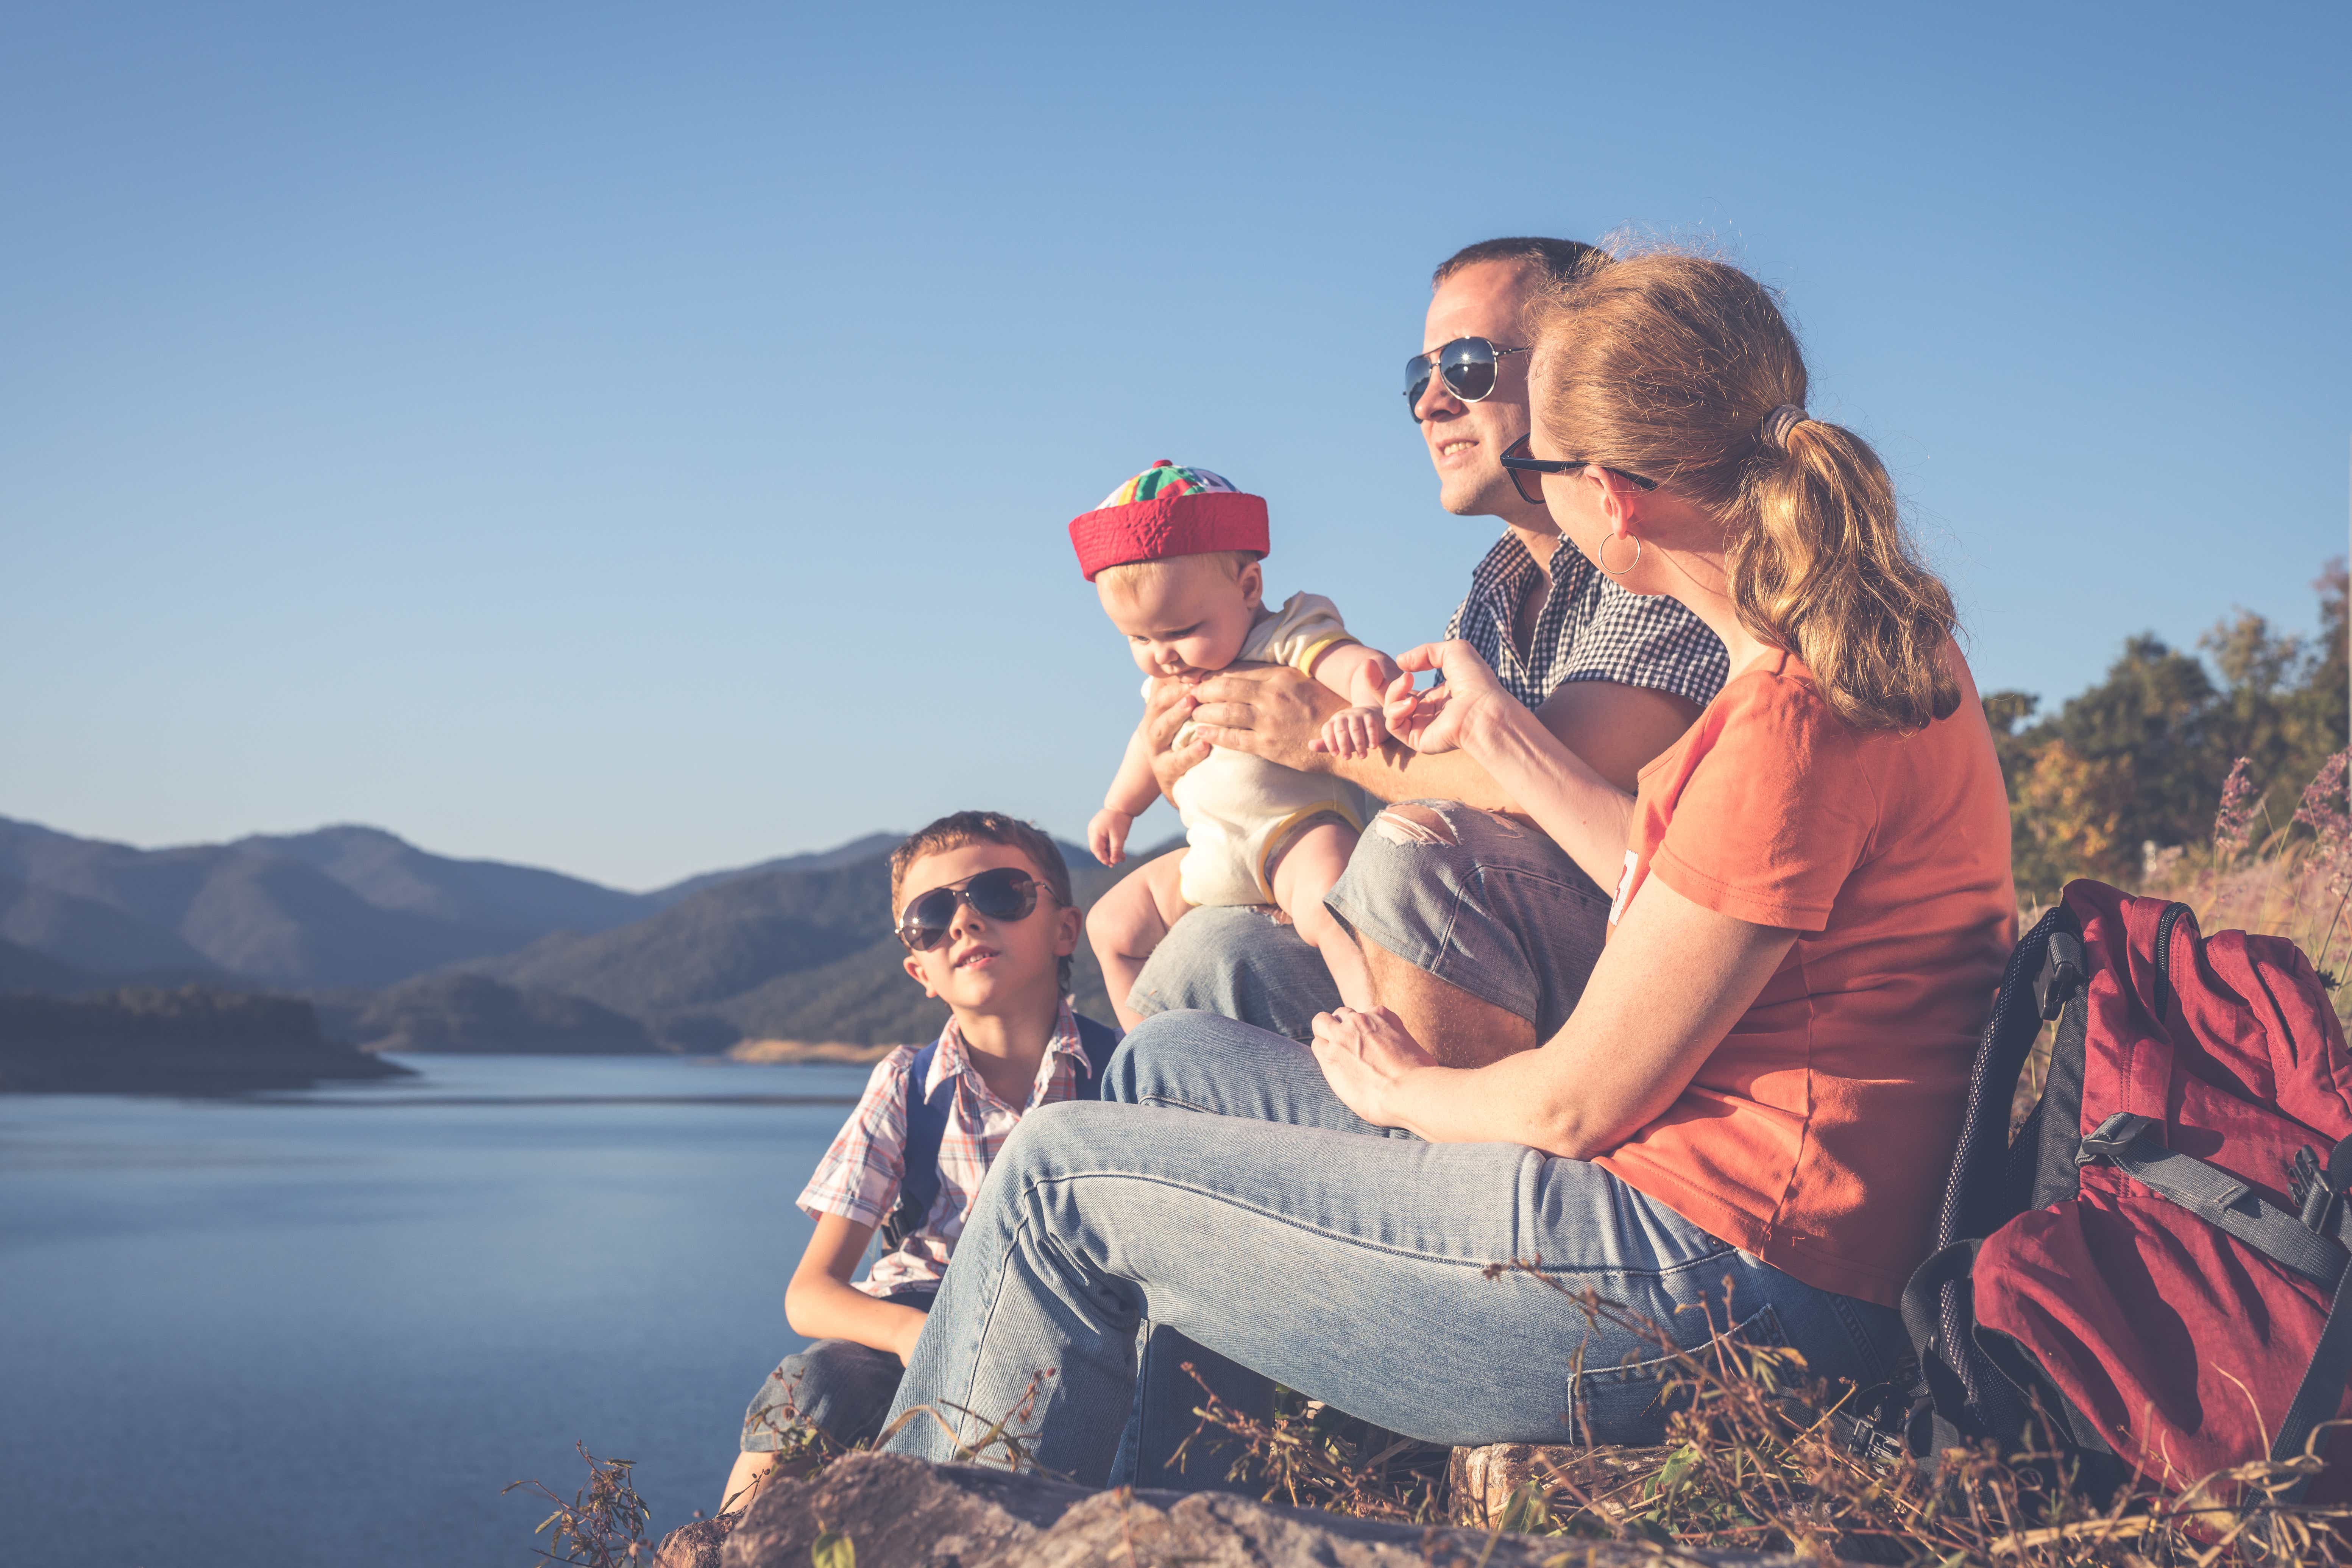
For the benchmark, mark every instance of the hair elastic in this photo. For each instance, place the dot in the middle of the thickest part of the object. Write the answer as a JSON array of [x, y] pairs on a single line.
[[1780, 422]]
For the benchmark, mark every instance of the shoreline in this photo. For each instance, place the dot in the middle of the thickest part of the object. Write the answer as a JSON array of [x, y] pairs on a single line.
[[776, 1053]]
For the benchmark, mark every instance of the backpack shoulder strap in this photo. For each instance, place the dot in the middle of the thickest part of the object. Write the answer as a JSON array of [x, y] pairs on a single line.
[[1099, 1041], [2321, 1393], [918, 1176]]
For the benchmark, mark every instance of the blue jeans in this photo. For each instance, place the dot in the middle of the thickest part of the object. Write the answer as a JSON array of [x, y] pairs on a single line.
[[1381, 1274], [1481, 902]]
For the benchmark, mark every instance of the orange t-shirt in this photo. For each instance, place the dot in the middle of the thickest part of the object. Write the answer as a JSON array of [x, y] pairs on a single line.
[[1819, 1133]]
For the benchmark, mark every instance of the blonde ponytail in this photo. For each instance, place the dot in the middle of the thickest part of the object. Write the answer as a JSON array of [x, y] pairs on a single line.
[[1683, 369]]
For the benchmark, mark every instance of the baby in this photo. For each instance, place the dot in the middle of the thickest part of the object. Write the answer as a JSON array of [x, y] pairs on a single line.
[[1174, 554]]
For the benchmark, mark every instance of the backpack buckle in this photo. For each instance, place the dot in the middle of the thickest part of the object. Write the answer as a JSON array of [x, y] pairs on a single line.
[[2062, 974], [2110, 1137]]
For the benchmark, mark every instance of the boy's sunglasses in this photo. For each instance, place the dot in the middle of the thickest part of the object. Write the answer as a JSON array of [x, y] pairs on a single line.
[[1467, 364], [1002, 893], [1527, 473]]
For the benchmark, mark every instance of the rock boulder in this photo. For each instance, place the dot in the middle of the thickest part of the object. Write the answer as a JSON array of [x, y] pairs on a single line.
[[900, 1512]]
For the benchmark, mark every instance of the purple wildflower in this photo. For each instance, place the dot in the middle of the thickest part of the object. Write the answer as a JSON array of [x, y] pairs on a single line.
[[2234, 823], [2324, 811]]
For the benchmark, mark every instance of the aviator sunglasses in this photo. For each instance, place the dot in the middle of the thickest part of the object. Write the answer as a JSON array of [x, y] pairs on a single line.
[[1467, 364], [1003, 893]]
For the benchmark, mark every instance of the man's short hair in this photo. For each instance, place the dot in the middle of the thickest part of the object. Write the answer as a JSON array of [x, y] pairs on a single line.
[[1559, 262]]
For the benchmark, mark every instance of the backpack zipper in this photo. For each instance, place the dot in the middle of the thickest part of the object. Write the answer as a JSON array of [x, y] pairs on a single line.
[[2164, 925]]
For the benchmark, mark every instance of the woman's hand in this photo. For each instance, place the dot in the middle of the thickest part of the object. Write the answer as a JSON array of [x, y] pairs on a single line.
[[1164, 712], [1436, 720], [1365, 1057]]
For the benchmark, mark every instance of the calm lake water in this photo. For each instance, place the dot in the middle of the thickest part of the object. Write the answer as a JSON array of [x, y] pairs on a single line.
[[327, 1328]]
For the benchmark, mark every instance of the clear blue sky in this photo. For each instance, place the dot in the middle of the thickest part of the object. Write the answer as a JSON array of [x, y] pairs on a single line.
[[639, 439]]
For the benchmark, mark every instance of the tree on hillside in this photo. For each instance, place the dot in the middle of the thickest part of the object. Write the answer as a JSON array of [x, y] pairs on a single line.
[[2141, 757]]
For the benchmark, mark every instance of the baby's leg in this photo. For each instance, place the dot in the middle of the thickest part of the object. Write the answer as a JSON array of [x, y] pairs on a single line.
[[1129, 921], [1307, 868]]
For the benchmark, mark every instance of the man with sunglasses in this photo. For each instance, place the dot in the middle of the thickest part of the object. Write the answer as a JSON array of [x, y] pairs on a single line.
[[1616, 676]]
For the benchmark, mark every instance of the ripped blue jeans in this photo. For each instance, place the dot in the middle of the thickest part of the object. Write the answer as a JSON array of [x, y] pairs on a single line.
[[1477, 900]]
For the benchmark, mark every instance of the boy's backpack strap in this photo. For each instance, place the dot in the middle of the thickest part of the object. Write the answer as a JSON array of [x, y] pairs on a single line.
[[927, 1124], [1099, 1041], [918, 1176]]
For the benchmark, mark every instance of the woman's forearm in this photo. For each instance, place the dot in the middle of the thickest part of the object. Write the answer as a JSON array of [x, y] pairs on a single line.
[[1507, 1101], [1584, 813]]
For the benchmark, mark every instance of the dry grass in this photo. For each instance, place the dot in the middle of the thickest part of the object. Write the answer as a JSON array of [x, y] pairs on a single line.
[[1754, 1463]]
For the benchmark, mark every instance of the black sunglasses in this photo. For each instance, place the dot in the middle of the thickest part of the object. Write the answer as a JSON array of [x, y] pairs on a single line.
[[1000, 894], [1467, 364], [1527, 473]]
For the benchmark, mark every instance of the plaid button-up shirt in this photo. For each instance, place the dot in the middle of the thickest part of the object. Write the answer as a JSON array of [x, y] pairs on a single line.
[[859, 1177], [1591, 629]]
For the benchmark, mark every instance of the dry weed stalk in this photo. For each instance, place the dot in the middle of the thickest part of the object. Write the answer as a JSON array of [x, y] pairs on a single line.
[[603, 1525], [1310, 1455]]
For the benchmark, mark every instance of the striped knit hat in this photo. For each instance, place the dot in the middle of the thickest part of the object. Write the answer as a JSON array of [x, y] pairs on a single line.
[[1167, 510]]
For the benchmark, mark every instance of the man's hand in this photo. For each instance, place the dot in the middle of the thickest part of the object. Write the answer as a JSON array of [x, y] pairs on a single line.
[[1107, 835], [1352, 732], [1273, 712], [1164, 712]]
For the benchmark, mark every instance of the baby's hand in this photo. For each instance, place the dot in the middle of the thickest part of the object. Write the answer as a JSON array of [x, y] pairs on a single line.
[[1107, 835], [1352, 732]]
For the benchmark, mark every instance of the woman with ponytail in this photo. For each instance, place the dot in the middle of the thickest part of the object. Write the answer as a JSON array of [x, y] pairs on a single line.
[[1752, 1107]]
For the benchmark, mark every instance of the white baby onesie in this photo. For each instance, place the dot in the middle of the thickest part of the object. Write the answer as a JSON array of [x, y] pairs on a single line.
[[1239, 810]]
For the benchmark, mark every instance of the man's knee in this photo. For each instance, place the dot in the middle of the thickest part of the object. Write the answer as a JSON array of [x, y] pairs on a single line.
[[1140, 1068], [1238, 963], [1068, 1136]]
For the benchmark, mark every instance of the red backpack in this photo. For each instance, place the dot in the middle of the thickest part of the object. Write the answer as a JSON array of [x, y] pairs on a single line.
[[2158, 1260]]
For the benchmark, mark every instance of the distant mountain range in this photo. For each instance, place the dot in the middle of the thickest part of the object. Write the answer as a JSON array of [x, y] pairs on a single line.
[[418, 951]]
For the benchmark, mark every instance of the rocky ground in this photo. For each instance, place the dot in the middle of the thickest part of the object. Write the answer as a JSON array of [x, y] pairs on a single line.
[[898, 1512]]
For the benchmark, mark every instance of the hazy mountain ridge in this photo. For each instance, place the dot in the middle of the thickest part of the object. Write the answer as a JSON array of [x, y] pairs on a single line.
[[408, 950], [339, 906], [804, 955]]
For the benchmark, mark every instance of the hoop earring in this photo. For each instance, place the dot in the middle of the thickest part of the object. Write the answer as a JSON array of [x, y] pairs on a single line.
[[1618, 570]]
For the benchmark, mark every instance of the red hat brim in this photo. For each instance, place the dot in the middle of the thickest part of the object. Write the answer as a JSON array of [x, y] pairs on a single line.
[[1194, 524]]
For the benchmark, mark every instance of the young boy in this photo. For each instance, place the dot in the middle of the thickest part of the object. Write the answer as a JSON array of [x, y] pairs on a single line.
[[1173, 553], [982, 903]]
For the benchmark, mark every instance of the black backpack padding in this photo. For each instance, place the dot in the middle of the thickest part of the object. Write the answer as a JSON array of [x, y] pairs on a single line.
[[927, 1124], [1992, 1183]]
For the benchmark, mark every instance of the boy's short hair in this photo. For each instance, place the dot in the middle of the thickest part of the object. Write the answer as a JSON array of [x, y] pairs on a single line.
[[1129, 573], [963, 827]]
